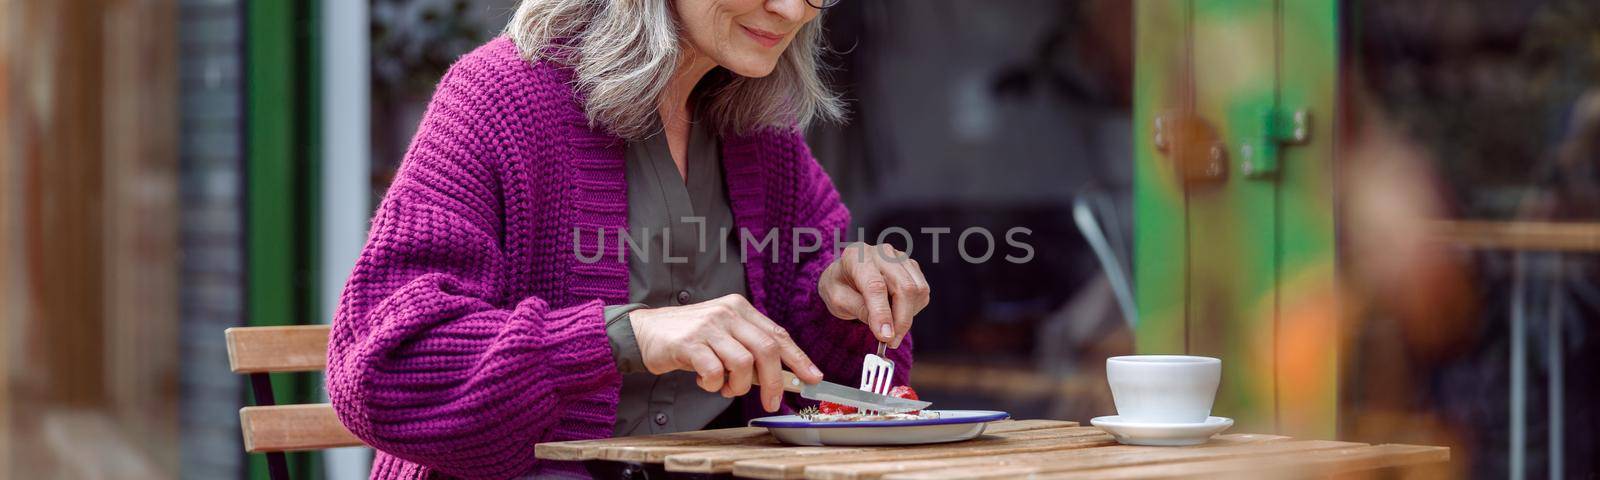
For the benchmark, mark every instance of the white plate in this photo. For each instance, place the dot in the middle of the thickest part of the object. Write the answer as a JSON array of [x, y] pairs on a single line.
[[951, 426], [1161, 434]]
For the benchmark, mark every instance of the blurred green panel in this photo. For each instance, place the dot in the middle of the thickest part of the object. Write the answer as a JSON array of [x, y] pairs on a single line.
[[1234, 239], [1232, 260], [1160, 249], [1309, 339]]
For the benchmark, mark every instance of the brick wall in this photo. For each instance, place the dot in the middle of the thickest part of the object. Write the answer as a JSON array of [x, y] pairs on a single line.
[[212, 237]]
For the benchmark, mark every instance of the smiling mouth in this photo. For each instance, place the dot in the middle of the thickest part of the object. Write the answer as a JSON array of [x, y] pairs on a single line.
[[765, 38]]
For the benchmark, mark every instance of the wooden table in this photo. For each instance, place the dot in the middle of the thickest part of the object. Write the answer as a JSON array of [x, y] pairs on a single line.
[[1009, 449]]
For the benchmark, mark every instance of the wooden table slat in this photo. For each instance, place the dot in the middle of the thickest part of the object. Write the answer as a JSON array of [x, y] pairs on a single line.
[[1024, 448], [578, 450], [721, 461], [1056, 439], [1307, 464], [1095, 459], [659, 454], [1005, 465]]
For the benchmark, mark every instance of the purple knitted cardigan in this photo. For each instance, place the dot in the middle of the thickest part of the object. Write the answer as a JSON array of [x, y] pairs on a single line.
[[469, 330]]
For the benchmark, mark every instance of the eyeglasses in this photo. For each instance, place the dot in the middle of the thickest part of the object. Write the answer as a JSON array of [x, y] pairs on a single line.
[[821, 4]]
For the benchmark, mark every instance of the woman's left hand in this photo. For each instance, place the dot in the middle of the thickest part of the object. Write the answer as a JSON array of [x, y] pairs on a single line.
[[877, 285]]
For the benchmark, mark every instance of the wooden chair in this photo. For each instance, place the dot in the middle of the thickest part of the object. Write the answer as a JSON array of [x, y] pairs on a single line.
[[273, 429]]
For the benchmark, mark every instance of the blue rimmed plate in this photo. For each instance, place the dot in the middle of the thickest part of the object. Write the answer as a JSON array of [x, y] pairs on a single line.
[[950, 426]]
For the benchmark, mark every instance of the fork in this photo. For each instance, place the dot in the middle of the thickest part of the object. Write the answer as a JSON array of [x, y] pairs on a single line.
[[876, 373]]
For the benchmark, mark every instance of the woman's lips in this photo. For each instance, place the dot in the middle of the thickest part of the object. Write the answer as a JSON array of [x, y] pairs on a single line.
[[765, 38]]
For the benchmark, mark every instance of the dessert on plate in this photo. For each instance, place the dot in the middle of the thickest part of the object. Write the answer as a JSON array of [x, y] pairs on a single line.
[[833, 412]]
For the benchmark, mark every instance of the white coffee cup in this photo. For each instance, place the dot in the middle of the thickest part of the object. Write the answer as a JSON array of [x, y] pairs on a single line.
[[1163, 388]]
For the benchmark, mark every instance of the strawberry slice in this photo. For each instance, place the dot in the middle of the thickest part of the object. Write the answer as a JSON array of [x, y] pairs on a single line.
[[834, 408], [905, 391]]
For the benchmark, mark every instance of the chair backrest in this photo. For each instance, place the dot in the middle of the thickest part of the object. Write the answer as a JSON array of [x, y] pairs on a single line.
[[269, 428]]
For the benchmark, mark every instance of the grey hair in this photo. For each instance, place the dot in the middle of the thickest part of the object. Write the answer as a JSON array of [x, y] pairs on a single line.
[[623, 52]]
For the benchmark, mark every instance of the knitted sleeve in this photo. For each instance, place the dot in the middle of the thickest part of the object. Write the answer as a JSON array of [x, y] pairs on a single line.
[[836, 345], [426, 361]]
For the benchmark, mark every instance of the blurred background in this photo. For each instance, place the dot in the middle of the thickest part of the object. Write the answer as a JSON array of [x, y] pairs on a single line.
[[1422, 269]]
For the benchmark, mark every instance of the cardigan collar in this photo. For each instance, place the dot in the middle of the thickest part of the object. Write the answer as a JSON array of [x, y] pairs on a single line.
[[599, 166]]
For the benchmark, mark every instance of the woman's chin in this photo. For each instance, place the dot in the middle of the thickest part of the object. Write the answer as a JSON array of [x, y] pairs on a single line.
[[753, 69]]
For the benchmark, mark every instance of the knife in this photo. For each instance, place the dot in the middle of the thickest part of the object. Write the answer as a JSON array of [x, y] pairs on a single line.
[[850, 397]]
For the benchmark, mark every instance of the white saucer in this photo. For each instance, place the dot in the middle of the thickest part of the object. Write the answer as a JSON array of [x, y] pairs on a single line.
[[1161, 434]]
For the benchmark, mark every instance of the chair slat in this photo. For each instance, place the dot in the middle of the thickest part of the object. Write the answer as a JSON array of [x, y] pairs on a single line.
[[289, 428], [298, 348]]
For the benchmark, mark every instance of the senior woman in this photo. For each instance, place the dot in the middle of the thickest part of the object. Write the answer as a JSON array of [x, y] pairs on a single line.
[[495, 305]]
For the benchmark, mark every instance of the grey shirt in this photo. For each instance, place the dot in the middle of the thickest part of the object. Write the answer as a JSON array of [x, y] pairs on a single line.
[[677, 259]]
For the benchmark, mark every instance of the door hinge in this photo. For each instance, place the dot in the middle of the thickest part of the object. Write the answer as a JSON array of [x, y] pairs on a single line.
[[1193, 146], [1258, 158]]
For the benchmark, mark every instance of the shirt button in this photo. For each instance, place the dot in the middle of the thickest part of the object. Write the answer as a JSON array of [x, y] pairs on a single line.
[[683, 297], [661, 418]]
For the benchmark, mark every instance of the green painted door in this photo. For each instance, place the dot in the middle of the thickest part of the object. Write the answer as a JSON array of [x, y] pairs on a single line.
[[280, 208], [1234, 244]]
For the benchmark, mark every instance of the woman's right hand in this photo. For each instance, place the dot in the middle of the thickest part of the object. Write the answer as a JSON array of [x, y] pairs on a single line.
[[725, 341]]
